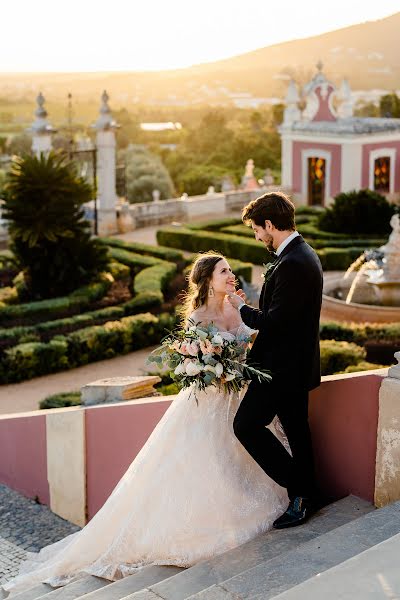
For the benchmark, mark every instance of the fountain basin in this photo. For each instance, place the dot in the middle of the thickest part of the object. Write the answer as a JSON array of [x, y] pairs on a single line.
[[335, 309], [388, 292]]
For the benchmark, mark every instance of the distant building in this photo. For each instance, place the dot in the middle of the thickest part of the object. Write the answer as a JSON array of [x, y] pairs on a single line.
[[326, 150]]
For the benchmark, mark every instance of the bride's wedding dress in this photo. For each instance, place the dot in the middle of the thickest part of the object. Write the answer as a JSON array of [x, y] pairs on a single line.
[[191, 493]]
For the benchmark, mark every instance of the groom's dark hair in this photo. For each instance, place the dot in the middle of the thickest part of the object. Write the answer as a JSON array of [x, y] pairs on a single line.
[[272, 206]]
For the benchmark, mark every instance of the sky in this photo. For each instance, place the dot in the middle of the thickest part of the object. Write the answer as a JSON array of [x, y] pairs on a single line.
[[130, 35]]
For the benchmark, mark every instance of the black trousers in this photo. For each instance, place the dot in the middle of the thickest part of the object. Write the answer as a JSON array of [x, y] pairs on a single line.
[[262, 402]]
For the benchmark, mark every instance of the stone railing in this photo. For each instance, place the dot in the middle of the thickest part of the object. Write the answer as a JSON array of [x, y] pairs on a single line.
[[72, 458]]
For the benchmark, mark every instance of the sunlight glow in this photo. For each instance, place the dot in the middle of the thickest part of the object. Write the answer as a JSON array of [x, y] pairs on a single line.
[[84, 35]]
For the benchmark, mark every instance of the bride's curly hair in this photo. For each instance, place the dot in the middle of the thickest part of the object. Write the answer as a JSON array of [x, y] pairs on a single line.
[[199, 282]]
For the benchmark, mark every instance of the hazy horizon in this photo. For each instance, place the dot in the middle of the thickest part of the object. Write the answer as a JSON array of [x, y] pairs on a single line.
[[161, 37]]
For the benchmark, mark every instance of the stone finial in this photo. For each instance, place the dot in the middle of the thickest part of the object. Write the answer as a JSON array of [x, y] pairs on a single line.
[[249, 182], [345, 109], [105, 120], [320, 65], [292, 111], [41, 125]]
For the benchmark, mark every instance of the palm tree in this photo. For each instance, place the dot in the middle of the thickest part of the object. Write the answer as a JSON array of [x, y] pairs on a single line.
[[49, 236]]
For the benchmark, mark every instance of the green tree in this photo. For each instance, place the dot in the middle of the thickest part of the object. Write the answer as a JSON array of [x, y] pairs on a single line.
[[362, 211], [145, 172], [49, 236], [389, 106], [19, 144]]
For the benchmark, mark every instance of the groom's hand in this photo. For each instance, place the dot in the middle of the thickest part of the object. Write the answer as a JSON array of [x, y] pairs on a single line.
[[237, 299]]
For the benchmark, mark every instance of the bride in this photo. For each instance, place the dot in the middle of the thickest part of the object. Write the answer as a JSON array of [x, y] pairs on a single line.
[[191, 493]]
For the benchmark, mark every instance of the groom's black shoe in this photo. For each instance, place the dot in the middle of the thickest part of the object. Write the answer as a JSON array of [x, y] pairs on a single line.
[[298, 512]]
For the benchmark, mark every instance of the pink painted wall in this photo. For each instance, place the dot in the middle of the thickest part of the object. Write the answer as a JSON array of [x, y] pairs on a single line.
[[114, 436], [324, 112], [336, 168], [23, 462], [344, 420], [366, 149]]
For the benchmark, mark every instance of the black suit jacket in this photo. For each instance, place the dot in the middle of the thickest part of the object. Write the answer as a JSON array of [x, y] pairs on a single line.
[[288, 317]]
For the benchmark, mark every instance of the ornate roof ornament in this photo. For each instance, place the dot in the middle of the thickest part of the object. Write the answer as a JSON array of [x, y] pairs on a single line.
[[319, 93], [105, 120], [41, 125]]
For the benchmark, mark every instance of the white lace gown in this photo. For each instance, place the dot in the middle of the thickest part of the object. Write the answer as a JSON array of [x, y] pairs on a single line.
[[191, 493]]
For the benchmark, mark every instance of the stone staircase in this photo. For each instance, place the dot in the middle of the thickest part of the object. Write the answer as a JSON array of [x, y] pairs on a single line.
[[346, 544]]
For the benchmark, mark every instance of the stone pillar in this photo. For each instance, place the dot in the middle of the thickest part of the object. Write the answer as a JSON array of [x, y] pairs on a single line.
[[106, 169], [41, 129], [387, 475]]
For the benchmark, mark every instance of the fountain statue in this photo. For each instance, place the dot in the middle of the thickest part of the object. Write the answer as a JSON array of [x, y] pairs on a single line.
[[387, 278], [370, 288]]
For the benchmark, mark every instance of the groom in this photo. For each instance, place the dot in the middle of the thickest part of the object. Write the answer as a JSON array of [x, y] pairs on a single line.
[[288, 346]]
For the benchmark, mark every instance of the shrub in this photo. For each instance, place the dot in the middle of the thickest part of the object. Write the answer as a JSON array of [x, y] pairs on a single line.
[[360, 333], [49, 236], [362, 366], [90, 344], [118, 270], [337, 259], [154, 279], [362, 211], [215, 224], [134, 261], [247, 250], [167, 254], [56, 307], [61, 400], [336, 356]]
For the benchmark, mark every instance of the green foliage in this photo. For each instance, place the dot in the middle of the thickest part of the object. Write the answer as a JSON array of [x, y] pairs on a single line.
[[338, 259], [146, 249], [196, 180], [336, 356], [134, 261], [360, 333], [247, 250], [61, 400], [49, 237], [363, 366], [155, 278], [356, 212], [19, 144], [214, 224], [90, 344], [145, 172], [55, 307], [389, 106]]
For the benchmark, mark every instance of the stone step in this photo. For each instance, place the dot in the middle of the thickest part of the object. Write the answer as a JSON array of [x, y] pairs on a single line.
[[128, 585], [36, 591], [265, 547], [276, 575], [370, 575], [78, 588]]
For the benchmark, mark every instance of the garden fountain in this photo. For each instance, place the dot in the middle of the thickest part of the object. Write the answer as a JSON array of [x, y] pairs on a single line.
[[370, 289]]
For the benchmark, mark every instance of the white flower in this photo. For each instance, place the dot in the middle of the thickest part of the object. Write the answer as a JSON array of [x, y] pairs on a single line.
[[217, 340], [209, 368], [193, 328], [180, 369], [230, 376], [193, 369], [202, 334], [219, 369]]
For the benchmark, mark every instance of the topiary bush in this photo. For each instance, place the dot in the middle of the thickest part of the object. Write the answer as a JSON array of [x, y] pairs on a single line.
[[336, 356], [355, 212]]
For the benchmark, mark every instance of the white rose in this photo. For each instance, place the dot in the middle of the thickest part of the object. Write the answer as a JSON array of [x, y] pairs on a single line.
[[180, 369], [217, 340], [219, 369], [209, 368], [193, 369], [202, 334]]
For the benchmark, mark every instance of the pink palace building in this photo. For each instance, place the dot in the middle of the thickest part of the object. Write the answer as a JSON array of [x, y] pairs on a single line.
[[326, 150]]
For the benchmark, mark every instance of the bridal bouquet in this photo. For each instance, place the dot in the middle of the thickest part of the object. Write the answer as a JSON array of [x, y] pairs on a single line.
[[202, 356]]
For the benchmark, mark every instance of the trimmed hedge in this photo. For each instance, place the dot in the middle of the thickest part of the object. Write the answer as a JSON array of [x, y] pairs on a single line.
[[61, 400], [363, 366], [337, 356], [149, 285], [360, 333], [156, 251], [133, 260], [28, 360], [214, 224], [57, 307], [246, 249]]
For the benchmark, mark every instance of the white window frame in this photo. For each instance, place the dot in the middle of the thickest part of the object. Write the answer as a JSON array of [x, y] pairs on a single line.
[[327, 156], [382, 153]]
